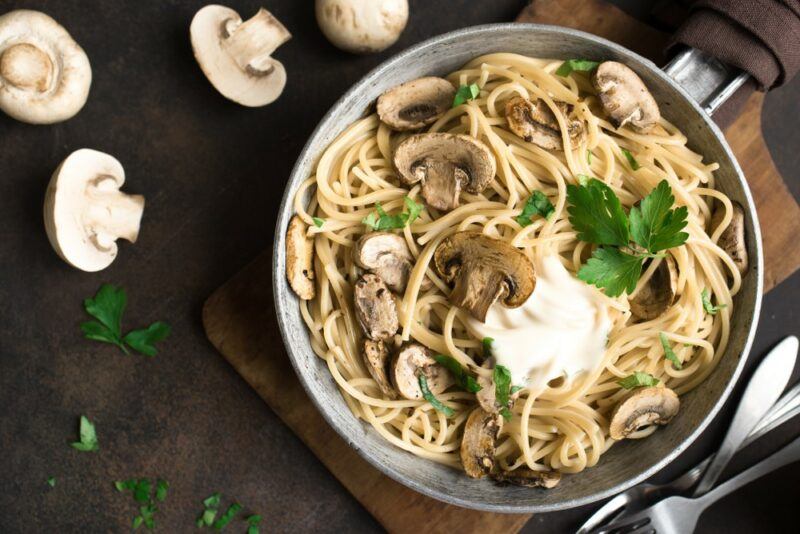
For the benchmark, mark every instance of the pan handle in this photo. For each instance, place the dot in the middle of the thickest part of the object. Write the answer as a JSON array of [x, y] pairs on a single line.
[[709, 81]]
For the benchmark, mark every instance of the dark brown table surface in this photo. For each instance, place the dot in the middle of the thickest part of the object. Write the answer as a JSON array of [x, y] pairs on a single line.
[[213, 173]]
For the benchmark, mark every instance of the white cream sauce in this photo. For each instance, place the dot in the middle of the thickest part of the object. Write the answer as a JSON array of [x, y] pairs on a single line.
[[562, 328]]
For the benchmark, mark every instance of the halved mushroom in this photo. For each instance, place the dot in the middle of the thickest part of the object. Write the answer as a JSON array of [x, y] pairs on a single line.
[[658, 293], [300, 259], [484, 270], [624, 97], [412, 361], [387, 255], [236, 57], [732, 239], [643, 407], [44, 74], [526, 477], [376, 310], [85, 212], [479, 441], [415, 104], [444, 163], [376, 357], [535, 122]]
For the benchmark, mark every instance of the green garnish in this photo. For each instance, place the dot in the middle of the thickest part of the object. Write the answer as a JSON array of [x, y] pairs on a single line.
[[613, 270], [597, 215], [707, 306], [487, 346], [51, 481], [537, 204], [656, 227], [141, 494], [583, 179], [146, 511], [631, 160], [161, 489], [211, 504], [465, 93], [107, 307], [318, 222], [669, 353], [88, 436], [514, 389], [380, 220], [638, 379], [252, 523], [229, 514], [502, 387], [580, 65], [589, 156], [431, 398], [212, 501], [464, 380]]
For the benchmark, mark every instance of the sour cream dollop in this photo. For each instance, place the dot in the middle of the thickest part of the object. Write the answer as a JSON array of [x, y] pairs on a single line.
[[562, 328]]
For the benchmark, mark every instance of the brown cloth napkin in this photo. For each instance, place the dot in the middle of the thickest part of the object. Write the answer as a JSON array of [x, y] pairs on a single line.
[[761, 37]]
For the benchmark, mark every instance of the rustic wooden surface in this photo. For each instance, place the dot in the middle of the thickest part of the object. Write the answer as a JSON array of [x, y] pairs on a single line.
[[235, 315]]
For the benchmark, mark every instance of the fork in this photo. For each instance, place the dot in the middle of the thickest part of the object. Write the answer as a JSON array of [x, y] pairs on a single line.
[[679, 515]]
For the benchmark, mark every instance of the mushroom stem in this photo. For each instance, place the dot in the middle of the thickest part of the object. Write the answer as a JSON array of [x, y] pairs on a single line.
[[251, 43], [111, 213], [27, 67]]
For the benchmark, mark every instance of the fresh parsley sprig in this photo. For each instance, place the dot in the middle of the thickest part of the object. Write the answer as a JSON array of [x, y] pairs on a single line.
[[537, 204], [431, 398], [466, 93], [668, 352], [464, 380], [381, 221]]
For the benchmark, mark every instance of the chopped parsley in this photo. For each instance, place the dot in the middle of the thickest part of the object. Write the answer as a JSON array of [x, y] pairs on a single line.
[[579, 65], [589, 155], [707, 306], [226, 518], [487, 346], [638, 379], [464, 380], [431, 398], [631, 160], [211, 504], [141, 489], [669, 353], [161, 490], [380, 220], [465, 93], [502, 387], [537, 204], [51, 481], [252, 523], [87, 435]]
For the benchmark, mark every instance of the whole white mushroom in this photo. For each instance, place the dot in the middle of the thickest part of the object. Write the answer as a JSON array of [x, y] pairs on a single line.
[[44, 74], [362, 26]]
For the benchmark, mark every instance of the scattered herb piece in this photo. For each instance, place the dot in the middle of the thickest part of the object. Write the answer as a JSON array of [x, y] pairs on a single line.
[[613, 270], [51, 481], [252, 523], [589, 155], [464, 380], [226, 518], [147, 511], [707, 306], [502, 386], [318, 222], [487, 346], [380, 220], [142, 340], [583, 179], [211, 503], [431, 398], [631, 160], [638, 379], [537, 204], [580, 65], [514, 389], [137, 522], [88, 436], [669, 353], [142, 491], [142, 495], [123, 485], [465, 93], [654, 225], [161, 489]]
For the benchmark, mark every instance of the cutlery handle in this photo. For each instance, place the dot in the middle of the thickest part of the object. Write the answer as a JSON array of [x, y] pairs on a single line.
[[789, 454]]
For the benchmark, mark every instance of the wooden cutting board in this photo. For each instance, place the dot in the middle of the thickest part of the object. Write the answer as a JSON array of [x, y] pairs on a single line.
[[239, 317]]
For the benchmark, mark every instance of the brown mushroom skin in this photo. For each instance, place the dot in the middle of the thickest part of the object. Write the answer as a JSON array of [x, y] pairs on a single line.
[[411, 361], [732, 239], [528, 478], [300, 259], [375, 308], [658, 294], [415, 104], [479, 442], [376, 358], [643, 407], [484, 270], [624, 97], [387, 255], [535, 123]]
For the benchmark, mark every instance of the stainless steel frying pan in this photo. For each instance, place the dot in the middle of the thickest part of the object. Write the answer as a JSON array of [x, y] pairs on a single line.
[[704, 84]]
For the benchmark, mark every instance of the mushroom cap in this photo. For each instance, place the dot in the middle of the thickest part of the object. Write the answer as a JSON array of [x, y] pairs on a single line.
[[376, 310], [444, 163], [235, 55], [376, 357], [300, 259], [535, 122], [85, 213], [44, 74], [387, 255], [643, 407], [484, 269], [411, 361], [625, 97], [658, 293], [362, 26], [415, 104], [528, 478], [479, 442], [732, 239]]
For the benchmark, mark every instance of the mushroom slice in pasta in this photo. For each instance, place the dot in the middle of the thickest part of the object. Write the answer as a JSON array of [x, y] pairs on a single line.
[[479, 442], [528, 478], [412, 361], [643, 407], [536, 123], [732, 239], [658, 293], [376, 310]]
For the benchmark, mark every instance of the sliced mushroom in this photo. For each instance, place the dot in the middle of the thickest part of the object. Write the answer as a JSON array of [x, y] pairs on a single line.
[[658, 293], [732, 239], [643, 407], [44, 74], [526, 477], [484, 270], [487, 396], [479, 441], [624, 97], [535, 122], [85, 212], [236, 56], [376, 310], [387, 255], [362, 26], [412, 361], [300, 259], [415, 104], [445, 164], [377, 356]]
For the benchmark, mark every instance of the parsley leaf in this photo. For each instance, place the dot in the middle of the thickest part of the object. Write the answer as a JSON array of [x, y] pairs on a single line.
[[88, 436], [141, 494], [502, 386], [583, 180], [613, 270], [597, 215], [580, 65], [226, 518], [161, 489], [212, 501], [589, 155], [51, 481], [142, 490], [654, 225], [142, 340], [537, 204], [631, 160], [107, 306], [487, 346], [380, 220], [252, 523], [638, 379], [465, 93], [707, 306], [318, 222], [431, 398], [464, 380], [669, 353]]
